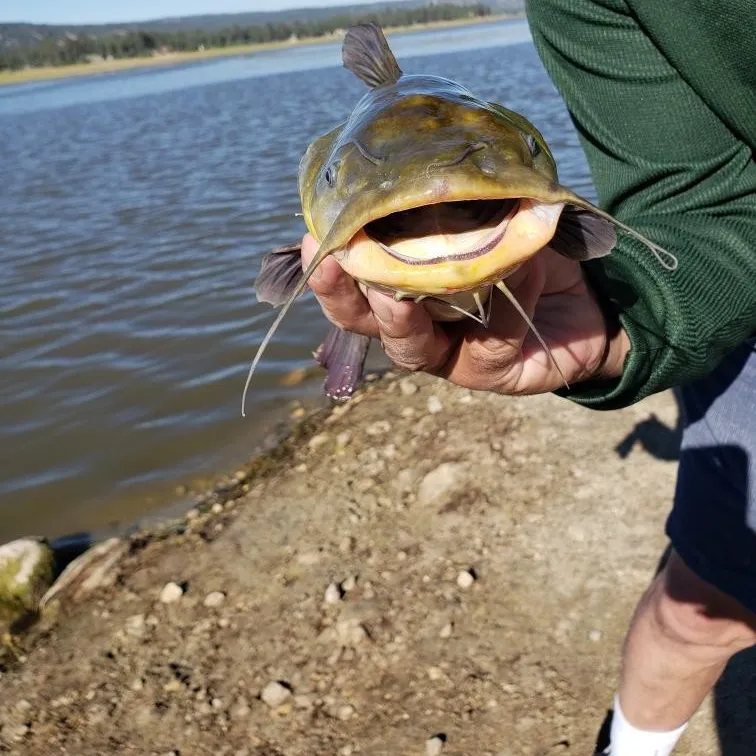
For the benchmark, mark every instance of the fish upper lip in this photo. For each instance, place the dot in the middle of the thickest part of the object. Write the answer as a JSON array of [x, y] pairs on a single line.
[[487, 246]]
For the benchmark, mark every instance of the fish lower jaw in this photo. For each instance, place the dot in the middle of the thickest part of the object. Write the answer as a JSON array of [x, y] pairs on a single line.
[[524, 235]]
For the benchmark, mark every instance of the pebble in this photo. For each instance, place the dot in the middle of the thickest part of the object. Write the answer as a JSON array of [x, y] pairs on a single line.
[[349, 584], [407, 386], [435, 673], [345, 712], [321, 439], [439, 482], [332, 594], [408, 412], [171, 593], [17, 734], [446, 631], [217, 508], [135, 625], [465, 579], [343, 438], [595, 636], [434, 405], [275, 693], [298, 413], [216, 598], [434, 746], [378, 428]]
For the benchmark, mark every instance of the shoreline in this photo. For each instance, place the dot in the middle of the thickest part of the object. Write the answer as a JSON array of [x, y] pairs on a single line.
[[423, 569], [119, 65]]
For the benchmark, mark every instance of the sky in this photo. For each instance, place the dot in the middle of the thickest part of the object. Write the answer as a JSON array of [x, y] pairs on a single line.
[[99, 12]]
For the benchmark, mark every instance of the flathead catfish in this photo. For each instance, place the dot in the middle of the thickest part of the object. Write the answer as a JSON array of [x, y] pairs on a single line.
[[429, 193]]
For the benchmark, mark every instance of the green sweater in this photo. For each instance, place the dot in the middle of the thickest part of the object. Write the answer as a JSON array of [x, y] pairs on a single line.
[[663, 95]]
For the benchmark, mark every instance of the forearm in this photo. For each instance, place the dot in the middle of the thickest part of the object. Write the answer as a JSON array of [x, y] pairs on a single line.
[[665, 163]]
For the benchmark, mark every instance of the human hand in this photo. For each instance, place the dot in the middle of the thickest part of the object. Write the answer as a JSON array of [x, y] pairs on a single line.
[[504, 357]]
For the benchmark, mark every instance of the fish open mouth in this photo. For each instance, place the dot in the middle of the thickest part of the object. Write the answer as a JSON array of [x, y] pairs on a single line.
[[449, 246], [446, 231]]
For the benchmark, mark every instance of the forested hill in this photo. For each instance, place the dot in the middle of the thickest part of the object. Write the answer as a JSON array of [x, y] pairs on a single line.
[[29, 46], [15, 34]]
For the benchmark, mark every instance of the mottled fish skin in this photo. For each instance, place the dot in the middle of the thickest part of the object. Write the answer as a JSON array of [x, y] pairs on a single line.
[[413, 141]]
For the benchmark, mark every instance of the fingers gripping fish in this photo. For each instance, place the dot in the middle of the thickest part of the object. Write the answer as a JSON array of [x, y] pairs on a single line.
[[432, 194]]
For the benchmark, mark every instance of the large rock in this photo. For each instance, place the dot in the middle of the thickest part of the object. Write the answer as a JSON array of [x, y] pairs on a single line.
[[27, 569], [96, 568]]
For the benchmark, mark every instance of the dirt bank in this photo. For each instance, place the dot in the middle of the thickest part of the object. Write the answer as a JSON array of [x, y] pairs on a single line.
[[425, 561]]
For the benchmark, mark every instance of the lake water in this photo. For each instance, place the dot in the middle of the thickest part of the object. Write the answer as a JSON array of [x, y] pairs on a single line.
[[134, 210]]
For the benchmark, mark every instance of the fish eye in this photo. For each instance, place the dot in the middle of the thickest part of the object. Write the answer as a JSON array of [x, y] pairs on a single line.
[[330, 175], [533, 146]]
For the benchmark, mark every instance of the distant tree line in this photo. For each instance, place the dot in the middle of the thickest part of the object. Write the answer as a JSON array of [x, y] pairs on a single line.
[[76, 48]]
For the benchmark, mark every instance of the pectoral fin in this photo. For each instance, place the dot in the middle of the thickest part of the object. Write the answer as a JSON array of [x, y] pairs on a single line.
[[343, 354], [280, 273], [582, 235]]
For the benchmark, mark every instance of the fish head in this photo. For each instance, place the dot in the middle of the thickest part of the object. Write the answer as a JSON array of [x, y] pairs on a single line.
[[423, 183]]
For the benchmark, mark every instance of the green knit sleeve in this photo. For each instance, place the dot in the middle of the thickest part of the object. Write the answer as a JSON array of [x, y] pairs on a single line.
[[666, 163]]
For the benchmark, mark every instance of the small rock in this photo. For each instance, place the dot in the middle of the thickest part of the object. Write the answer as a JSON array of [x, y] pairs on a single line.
[[26, 572], [303, 702], [407, 387], [349, 584], [378, 428], [434, 405], [439, 482], [594, 636], [96, 568], [298, 413], [316, 442], [446, 631], [171, 593], [350, 632], [332, 594], [435, 673], [135, 625], [408, 412], [465, 579], [346, 750], [345, 712], [18, 733], [434, 745], [275, 693], [217, 508], [216, 598], [343, 439]]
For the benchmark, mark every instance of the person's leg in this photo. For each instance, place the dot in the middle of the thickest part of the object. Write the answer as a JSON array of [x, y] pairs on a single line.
[[682, 635], [701, 608]]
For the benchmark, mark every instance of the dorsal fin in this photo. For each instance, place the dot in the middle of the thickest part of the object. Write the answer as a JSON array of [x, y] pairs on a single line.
[[367, 54]]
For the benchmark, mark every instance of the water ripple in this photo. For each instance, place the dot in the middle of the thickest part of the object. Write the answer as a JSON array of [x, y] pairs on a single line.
[[134, 213]]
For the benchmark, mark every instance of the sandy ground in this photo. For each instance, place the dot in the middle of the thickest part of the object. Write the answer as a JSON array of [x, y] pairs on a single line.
[[424, 562]]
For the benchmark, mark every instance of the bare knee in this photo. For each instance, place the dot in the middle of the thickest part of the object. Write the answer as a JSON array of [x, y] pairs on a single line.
[[691, 612]]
